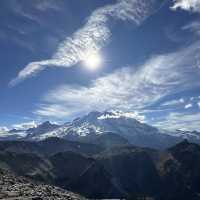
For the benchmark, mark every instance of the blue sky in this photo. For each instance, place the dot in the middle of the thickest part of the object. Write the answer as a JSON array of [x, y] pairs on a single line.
[[150, 51]]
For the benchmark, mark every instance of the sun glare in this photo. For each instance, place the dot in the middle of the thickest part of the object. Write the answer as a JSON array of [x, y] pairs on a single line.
[[92, 60]]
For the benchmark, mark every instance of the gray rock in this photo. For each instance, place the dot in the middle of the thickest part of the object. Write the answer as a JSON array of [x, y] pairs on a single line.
[[20, 188]]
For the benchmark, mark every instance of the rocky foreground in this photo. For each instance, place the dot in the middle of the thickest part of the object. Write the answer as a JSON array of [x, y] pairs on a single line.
[[13, 188]]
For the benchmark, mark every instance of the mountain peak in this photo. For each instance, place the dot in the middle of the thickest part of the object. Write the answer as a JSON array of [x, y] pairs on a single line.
[[93, 114], [41, 129], [46, 122]]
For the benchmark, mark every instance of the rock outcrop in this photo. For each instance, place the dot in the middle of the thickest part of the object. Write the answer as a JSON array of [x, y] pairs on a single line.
[[20, 188]]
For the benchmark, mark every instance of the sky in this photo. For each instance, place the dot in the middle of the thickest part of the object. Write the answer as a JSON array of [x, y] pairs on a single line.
[[148, 55]]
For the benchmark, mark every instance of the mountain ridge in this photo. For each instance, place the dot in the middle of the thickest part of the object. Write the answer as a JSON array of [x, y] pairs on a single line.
[[84, 129], [122, 171]]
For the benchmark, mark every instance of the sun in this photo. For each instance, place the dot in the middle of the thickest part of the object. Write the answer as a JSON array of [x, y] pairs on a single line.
[[92, 60]]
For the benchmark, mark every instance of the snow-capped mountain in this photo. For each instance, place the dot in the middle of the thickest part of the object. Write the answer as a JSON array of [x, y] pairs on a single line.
[[20, 134], [41, 129], [90, 126], [13, 134], [96, 123]]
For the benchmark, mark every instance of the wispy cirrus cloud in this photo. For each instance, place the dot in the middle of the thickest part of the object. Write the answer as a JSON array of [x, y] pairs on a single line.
[[174, 102], [188, 5], [182, 121], [129, 88], [30, 9], [193, 27], [25, 125], [47, 5], [36, 20], [91, 37]]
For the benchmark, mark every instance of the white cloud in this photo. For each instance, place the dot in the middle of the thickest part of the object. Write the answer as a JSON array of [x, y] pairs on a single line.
[[25, 125], [182, 121], [28, 9], [188, 5], [118, 114], [91, 37], [174, 102], [192, 98], [3, 130], [193, 27], [47, 5], [129, 88], [198, 104], [53, 110], [188, 106]]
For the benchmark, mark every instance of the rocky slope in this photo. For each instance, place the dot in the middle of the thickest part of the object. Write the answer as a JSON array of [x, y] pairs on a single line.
[[19, 188]]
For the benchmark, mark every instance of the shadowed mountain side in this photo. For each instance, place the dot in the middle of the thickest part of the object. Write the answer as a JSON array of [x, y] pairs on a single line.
[[122, 171], [49, 146]]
